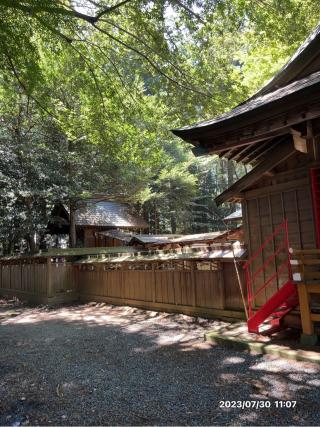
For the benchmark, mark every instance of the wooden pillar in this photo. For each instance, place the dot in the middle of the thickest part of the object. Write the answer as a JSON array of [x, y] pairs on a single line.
[[307, 324], [312, 141], [316, 145], [49, 278], [308, 337]]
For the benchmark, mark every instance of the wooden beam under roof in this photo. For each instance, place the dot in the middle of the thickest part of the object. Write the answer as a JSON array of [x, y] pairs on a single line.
[[261, 156], [223, 153], [237, 142], [256, 149], [258, 155], [233, 153], [280, 153], [252, 133], [237, 152], [243, 151]]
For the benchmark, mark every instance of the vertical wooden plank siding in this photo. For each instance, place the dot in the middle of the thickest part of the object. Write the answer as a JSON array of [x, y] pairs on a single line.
[[260, 280], [49, 278], [189, 285], [273, 267], [264, 213], [233, 298], [6, 276], [192, 288], [28, 278], [194, 285], [153, 283], [63, 278]]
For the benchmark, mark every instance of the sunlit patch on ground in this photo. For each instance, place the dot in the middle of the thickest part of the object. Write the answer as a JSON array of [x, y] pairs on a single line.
[[98, 364]]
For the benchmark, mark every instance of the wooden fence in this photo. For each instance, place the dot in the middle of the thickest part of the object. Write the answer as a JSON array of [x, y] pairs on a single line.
[[207, 288], [25, 280], [189, 287], [38, 280]]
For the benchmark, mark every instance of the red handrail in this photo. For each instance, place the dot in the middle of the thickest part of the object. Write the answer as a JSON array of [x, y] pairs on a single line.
[[282, 247]]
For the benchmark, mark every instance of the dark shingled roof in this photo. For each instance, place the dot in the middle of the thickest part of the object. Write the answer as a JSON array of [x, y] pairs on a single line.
[[305, 61], [253, 104], [107, 214], [249, 132], [299, 73]]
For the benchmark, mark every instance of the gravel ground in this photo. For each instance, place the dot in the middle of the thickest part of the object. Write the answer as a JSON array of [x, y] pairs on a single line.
[[97, 364]]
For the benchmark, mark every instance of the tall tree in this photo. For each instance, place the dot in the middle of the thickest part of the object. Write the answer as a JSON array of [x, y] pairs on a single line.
[[89, 90]]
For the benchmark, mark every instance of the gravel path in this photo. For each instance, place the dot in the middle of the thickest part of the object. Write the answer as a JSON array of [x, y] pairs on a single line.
[[96, 364]]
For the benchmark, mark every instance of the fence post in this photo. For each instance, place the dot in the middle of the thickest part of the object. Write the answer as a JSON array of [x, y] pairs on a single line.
[[1, 269], [49, 278], [153, 282], [193, 283]]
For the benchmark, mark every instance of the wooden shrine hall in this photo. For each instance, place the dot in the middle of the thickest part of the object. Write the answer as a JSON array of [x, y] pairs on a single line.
[[277, 132], [95, 216]]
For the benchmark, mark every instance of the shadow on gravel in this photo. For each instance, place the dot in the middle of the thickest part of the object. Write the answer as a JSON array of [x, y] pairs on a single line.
[[96, 364]]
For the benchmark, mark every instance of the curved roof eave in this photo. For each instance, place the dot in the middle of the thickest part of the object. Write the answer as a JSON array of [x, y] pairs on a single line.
[[291, 71], [283, 94]]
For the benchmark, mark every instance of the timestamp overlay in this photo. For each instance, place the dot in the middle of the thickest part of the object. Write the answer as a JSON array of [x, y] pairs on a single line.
[[258, 404]]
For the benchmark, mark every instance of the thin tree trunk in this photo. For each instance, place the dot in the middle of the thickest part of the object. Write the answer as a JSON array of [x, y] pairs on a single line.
[[173, 223], [31, 236], [156, 223], [72, 229]]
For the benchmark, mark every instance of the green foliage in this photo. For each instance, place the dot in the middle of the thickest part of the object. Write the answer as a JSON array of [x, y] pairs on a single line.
[[90, 89], [170, 199]]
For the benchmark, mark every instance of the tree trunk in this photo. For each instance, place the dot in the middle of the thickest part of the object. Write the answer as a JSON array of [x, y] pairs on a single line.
[[173, 223], [42, 241], [156, 223], [7, 247], [32, 243], [230, 173], [72, 229]]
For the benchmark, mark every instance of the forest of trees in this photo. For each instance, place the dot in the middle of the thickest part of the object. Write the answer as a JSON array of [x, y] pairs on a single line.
[[89, 90]]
